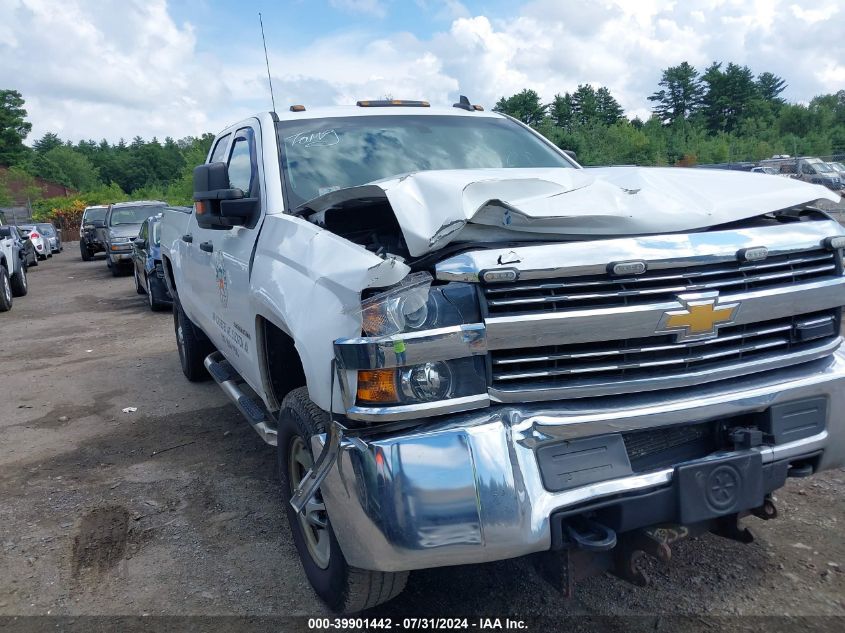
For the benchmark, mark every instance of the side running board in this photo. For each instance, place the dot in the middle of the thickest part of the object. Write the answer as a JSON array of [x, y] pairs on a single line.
[[230, 381]]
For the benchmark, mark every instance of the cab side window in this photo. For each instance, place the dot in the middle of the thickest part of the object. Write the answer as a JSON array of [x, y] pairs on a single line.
[[219, 153], [242, 164], [143, 233]]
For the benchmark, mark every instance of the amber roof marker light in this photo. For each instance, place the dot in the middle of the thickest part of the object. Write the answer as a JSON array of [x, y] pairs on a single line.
[[393, 103]]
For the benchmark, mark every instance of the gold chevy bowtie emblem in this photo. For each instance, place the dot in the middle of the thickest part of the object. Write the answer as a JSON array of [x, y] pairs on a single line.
[[700, 318]]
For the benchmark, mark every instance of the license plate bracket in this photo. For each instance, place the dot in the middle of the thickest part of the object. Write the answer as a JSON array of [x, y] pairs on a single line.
[[711, 488]]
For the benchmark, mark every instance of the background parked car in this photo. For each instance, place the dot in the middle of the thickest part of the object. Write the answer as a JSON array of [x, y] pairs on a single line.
[[13, 282], [93, 218], [147, 267], [26, 246], [41, 243], [52, 235], [121, 226]]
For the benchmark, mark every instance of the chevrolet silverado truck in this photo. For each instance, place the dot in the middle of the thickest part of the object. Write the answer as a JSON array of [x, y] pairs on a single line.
[[467, 348]]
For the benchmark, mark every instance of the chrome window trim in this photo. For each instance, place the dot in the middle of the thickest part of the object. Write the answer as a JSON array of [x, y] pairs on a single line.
[[641, 321], [591, 388], [445, 343], [667, 251]]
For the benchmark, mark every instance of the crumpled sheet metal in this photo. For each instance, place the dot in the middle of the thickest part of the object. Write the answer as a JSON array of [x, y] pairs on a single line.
[[433, 206]]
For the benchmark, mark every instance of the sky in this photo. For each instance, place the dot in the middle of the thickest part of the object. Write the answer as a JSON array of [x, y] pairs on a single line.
[[120, 68]]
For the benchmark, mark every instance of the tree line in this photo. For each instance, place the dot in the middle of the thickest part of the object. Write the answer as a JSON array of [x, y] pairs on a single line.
[[101, 171], [724, 114]]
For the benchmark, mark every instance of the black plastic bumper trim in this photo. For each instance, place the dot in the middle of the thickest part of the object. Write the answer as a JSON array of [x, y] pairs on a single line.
[[656, 506]]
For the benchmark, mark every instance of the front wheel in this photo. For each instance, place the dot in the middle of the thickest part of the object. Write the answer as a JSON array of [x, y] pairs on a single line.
[[19, 282], [85, 252], [154, 294], [138, 288], [345, 589], [5, 290]]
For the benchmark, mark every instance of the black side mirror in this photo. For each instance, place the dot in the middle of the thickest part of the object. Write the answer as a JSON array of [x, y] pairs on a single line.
[[140, 242], [571, 154], [220, 206]]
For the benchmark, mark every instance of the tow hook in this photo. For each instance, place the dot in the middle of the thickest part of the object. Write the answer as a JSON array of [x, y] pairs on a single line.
[[766, 511], [636, 545], [586, 552]]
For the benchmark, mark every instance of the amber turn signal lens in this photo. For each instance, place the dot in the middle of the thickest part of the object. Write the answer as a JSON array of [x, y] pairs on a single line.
[[199, 205], [377, 386]]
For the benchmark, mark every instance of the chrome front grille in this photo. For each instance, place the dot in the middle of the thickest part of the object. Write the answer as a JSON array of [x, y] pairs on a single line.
[[615, 362], [555, 295]]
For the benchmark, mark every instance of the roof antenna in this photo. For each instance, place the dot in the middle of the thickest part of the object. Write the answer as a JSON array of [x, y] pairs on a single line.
[[267, 60]]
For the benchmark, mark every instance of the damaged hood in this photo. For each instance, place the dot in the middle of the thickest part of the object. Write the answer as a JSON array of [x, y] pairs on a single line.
[[434, 207]]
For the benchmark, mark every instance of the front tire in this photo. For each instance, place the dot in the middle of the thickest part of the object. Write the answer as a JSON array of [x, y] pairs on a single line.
[[154, 292], [343, 588], [138, 287], [192, 344], [19, 282], [5, 290], [85, 252]]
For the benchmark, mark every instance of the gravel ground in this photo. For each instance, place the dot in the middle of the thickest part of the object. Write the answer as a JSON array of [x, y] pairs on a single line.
[[174, 509]]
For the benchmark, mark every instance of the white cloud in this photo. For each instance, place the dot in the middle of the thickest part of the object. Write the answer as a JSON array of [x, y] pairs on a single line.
[[110, 68]]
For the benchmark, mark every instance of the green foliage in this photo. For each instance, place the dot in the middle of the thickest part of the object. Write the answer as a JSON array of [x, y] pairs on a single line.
[[722, 115], [680, 95], [5, 195], [525, 106], [66, 166], [13, 127]]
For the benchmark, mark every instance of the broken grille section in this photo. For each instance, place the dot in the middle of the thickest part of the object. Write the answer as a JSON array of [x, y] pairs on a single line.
[[552, 295], [632, 359]]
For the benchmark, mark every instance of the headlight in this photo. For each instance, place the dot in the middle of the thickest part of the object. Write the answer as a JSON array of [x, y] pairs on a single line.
[[120, 240], [414, 304], [425, 382]]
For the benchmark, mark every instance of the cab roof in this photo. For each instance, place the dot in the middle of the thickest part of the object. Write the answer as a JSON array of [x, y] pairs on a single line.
[[140, 203], [321, 112]]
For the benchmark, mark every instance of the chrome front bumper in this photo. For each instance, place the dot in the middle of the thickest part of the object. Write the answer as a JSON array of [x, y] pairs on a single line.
[[466, 488]]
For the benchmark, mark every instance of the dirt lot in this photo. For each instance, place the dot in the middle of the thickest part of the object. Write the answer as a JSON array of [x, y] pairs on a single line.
[[174, 509]]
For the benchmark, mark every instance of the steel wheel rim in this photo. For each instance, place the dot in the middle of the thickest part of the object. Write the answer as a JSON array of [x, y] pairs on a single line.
[[313, 519], [7, 288], [23, 277]]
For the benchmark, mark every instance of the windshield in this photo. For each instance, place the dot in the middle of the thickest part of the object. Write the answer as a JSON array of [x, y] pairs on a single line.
[[94, 215], [132, 215], [838, 167], [27, 228], [322, 155], [820, 167]]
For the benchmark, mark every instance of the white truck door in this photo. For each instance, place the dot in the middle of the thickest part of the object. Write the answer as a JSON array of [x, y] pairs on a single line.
[[226, 281], [198, 286]]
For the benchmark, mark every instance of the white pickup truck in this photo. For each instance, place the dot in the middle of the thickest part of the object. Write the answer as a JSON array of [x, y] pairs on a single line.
[[467, 348]]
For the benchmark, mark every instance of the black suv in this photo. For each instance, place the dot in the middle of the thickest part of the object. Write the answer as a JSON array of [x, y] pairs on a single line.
[[89, 243]]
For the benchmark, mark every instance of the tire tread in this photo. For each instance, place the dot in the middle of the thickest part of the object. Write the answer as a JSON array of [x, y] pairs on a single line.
[[364, 588]]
